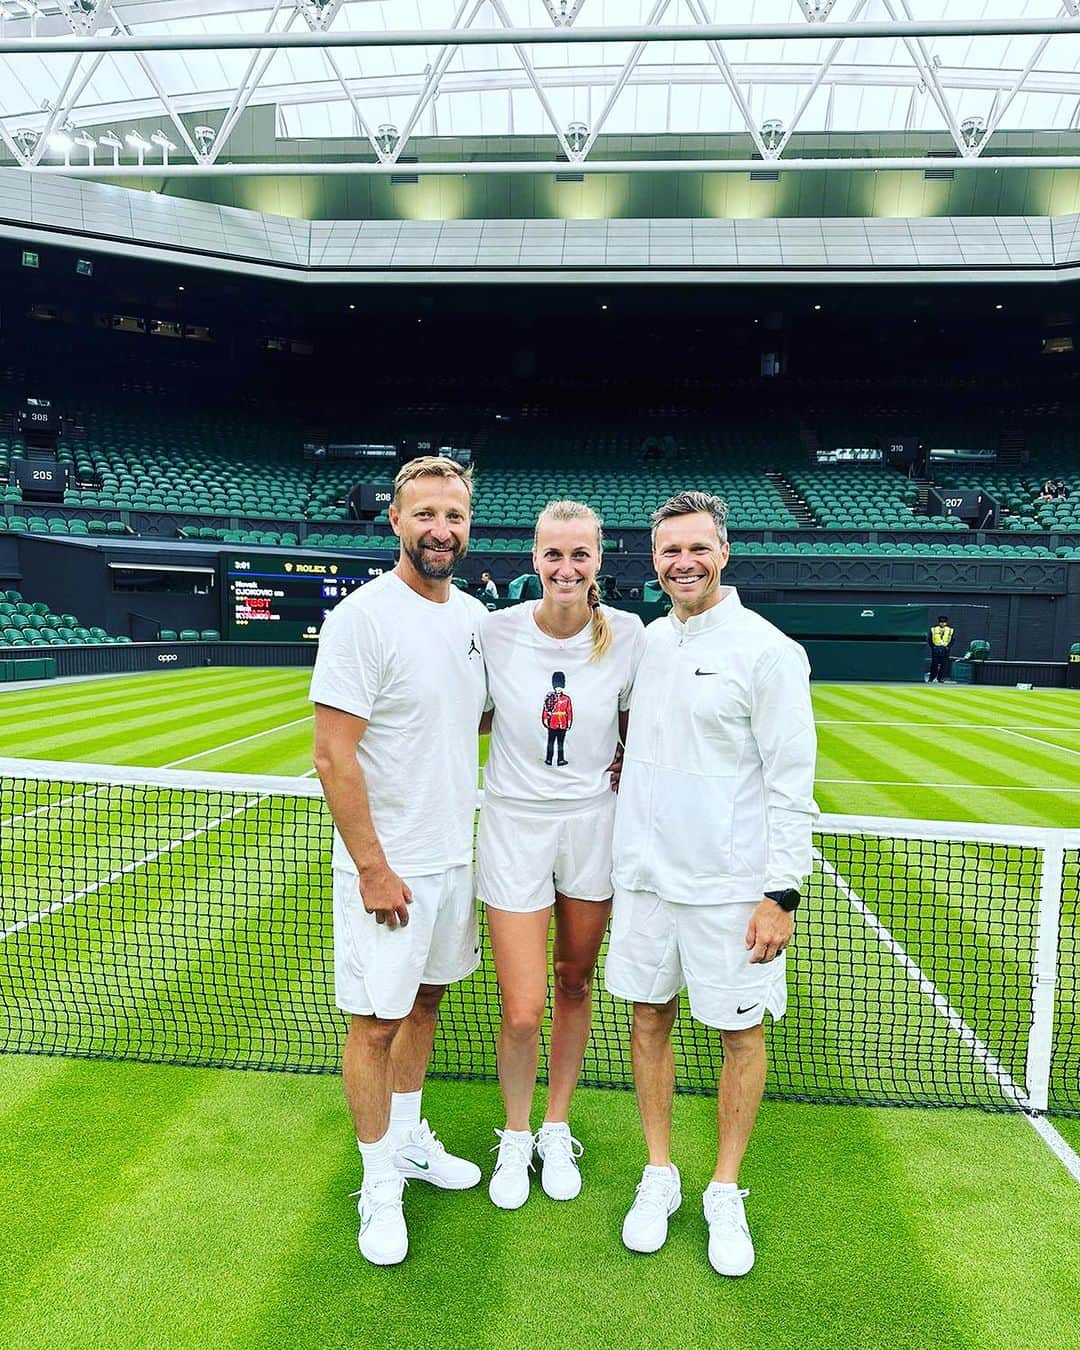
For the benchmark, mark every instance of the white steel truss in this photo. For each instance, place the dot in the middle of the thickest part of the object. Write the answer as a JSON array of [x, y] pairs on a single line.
[[134, 30]]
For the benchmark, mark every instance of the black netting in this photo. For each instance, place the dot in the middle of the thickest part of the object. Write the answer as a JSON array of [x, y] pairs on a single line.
[[192, 925]]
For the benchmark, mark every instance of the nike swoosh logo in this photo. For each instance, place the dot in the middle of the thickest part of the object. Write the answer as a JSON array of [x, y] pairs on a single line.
[[423, 1166], [747, 1009], [706, 672]]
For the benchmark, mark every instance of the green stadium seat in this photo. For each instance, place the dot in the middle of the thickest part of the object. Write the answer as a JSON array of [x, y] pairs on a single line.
[[653, 594], [189, 635], [210, 635], [167, 635], [978, 651]]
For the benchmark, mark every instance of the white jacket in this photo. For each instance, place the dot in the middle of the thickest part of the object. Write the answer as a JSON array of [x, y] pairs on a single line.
[[716, 799]]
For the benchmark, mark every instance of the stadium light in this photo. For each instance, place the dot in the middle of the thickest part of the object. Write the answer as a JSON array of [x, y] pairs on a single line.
[[204, 139], [772, 133], [112, 142], [62, 143], [973, 131], [139, 144], [577, 136], [386, 138], [163, 143], [88, 143], [26, 139]]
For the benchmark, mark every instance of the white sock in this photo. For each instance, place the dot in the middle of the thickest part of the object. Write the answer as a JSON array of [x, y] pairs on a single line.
[[378, 1159], [404, 1112], [722, 1186], [554, 1125]]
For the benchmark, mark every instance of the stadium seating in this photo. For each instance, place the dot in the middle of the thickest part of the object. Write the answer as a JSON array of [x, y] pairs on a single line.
[[24, 624]]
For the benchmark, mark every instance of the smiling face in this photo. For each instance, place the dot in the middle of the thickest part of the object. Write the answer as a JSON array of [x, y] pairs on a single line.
[[431, 518], [567, 557], [689, 557]]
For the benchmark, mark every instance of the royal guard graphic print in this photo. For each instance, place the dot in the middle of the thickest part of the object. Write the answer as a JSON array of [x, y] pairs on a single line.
[[557, 717]]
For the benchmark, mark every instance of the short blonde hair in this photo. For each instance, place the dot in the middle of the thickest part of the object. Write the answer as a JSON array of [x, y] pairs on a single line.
[[602, 635], [432, 466]]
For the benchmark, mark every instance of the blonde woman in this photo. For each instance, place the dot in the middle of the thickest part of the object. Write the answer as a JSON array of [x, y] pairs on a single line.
[[560, 671]]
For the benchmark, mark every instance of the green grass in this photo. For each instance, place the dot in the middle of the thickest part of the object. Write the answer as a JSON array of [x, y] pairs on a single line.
[[146, 1205]]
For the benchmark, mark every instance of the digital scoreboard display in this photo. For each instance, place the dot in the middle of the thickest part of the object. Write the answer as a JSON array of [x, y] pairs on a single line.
[[282, 597]]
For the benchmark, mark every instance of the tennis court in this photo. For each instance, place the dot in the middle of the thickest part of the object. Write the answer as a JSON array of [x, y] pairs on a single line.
[[183, 920]]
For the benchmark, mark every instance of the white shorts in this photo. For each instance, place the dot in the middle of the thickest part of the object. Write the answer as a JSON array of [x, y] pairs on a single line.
[[523, 858], [658, 948], [378, 970]]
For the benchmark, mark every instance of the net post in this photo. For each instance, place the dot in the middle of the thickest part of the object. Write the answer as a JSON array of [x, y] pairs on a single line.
[[1044, 981]]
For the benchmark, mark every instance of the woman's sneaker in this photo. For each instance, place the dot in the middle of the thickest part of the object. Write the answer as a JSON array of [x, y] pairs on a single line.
[[559, 1152], [509, 1184], [659, 1195]]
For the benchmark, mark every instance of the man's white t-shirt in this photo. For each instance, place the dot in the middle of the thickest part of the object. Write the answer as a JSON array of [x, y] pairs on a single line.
[[540, 685], [414, 669]]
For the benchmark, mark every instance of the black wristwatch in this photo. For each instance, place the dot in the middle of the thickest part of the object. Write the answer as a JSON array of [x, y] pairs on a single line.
[[788, 899]]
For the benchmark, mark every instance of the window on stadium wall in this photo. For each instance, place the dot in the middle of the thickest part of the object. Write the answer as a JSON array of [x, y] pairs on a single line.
[[148, 580]]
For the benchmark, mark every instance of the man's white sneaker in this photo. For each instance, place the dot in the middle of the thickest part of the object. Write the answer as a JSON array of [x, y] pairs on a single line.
[[731, 1249], [559, 1151], [383, 1238], [422, 1157], [659, 1195], [509, 1184]]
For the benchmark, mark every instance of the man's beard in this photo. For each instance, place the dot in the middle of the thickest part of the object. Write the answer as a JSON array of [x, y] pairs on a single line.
[[432, 570]]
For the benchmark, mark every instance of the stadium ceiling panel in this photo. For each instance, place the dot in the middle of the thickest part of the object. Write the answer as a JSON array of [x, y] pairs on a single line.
[[839, 66]]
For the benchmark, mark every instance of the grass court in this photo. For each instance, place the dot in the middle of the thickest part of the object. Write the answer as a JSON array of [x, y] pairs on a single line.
[[151, 1205]]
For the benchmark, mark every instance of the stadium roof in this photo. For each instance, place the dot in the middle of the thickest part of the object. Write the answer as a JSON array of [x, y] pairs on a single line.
[[966, 85]]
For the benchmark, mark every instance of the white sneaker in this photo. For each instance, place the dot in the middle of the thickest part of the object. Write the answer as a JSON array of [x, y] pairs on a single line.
[[731, 1249], [422, 1157], [383, 1238], [659, 1195], [559, 1151], [509, 1185]]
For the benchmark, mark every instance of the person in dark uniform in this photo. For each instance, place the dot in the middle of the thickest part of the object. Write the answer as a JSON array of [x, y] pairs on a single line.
[[941, 638]]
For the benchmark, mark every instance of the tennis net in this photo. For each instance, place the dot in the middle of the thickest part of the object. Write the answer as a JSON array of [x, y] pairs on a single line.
[[186, 918]]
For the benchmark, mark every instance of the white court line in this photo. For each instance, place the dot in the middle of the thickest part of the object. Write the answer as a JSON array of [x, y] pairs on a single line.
[[959, 787], [979, 1050], [938, 726], [1038, 740], [66, 900], [128, 867], [173, 764]]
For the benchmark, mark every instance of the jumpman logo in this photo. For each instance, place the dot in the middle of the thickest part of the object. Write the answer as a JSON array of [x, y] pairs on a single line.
[[473, 648]]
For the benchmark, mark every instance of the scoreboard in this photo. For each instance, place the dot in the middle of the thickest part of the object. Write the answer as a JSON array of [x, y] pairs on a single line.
[[282, 597]]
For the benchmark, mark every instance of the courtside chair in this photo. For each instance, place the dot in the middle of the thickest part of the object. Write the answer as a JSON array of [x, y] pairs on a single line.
[[525, 587]]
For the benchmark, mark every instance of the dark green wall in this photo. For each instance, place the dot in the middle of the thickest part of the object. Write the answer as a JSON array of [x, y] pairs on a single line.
[[983, 192]]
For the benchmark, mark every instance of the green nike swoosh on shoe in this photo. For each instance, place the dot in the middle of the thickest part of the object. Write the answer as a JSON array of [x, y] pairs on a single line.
[[416, 1163]]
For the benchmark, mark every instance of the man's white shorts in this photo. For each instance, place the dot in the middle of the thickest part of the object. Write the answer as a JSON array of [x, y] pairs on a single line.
[[659, 948], [378, 970], [523, 857]]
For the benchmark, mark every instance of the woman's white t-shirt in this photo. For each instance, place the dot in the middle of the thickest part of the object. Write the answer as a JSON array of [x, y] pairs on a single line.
[[552, 703]]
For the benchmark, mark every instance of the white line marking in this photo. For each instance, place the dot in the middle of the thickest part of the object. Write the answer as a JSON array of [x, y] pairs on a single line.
[[66, 900], [938, 726], [175, 764], [958, 787], [925, 985], [1038, 740], [979, 1050], [1060, 1147]]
